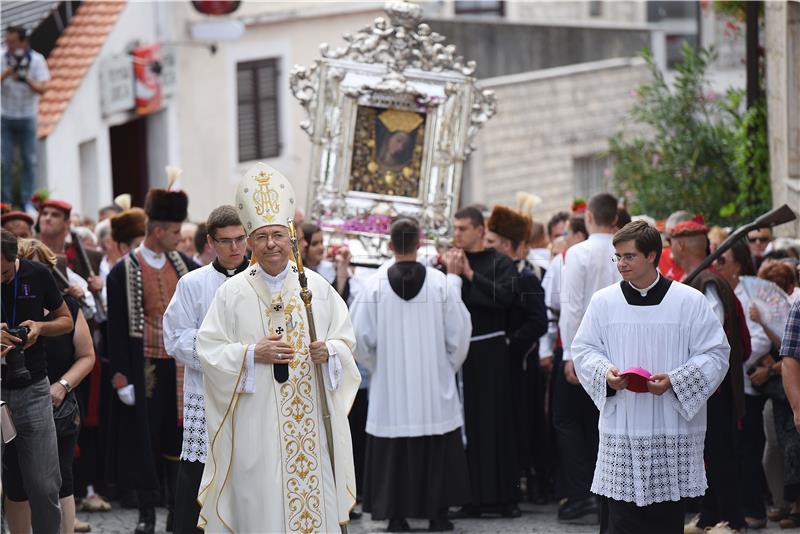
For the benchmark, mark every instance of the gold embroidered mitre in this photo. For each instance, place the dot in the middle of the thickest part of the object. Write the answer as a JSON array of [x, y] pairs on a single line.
[[264, 197]]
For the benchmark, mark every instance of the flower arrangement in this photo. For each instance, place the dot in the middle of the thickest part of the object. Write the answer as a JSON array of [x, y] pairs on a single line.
[[40, 196], [578, 206]]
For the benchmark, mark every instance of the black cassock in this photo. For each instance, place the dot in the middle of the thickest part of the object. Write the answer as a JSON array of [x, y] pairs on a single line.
[[527, 322], [131, 460], [488, 415]]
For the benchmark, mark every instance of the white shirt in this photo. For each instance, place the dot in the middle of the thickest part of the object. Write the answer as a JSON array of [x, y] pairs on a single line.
[[539, 257], [759, 341], [412, 350], [551, 284], [587, 268], [156, 260], [651, 446], [19, 101]]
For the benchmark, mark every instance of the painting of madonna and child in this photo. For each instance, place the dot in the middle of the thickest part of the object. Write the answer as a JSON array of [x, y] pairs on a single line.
[[387, 152]]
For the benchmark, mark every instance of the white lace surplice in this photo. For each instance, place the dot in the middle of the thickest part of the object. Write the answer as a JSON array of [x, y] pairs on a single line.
[[651, 447]]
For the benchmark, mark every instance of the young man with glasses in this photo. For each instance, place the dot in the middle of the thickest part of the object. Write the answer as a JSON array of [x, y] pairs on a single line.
[[187, 309], [652, 427]]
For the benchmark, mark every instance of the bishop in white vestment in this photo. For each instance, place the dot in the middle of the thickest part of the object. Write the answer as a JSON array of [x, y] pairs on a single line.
[[651, 443], [269, 465]]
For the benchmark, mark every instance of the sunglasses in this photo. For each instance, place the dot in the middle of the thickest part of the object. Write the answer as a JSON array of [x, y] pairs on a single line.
[[759, 239]]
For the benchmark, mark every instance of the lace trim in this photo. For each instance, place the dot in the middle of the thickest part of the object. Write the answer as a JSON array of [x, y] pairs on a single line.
[[598, 387], [647, 470], [691, 388], [195, 435]]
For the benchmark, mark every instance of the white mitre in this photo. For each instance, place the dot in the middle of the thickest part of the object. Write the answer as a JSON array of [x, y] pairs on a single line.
[[264, 197]]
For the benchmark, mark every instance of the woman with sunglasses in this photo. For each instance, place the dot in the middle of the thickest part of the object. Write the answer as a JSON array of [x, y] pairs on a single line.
[[758, 241]]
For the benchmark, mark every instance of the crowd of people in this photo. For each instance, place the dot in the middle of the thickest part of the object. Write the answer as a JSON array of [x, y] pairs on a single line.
[[580, 361]]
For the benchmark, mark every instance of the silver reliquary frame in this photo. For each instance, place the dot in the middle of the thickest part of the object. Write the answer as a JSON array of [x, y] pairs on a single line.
[[392, 116]]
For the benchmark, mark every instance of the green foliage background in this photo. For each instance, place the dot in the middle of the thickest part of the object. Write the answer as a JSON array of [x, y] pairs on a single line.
[[701, 152]]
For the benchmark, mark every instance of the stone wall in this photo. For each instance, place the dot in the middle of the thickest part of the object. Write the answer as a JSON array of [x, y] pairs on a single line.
[[500, 48], [547, 122]]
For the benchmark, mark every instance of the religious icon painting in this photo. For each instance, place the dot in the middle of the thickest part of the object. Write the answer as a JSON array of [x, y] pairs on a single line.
[[387, 152]]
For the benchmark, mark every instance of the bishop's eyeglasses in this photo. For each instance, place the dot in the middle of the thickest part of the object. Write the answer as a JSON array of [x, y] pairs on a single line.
[[276, 237]]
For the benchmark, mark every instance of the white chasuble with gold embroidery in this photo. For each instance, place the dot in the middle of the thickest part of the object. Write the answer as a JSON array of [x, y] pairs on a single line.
[[268, 467]]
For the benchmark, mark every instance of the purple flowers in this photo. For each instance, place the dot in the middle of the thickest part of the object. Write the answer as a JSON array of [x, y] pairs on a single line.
[[374, 223]]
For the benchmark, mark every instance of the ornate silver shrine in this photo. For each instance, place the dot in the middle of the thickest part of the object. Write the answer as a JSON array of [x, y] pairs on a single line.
[[392, 116]]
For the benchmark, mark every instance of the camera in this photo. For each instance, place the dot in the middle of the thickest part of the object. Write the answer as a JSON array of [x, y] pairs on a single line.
[[15, 359], [20, 66]]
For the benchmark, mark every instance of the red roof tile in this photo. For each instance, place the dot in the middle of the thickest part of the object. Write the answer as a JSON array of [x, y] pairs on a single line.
[[75, 51]]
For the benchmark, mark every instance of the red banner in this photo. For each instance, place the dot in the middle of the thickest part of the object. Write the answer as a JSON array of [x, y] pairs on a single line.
[[148, 85]]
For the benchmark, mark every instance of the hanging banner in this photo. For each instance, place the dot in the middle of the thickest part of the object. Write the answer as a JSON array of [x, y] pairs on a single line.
[[146, 70]]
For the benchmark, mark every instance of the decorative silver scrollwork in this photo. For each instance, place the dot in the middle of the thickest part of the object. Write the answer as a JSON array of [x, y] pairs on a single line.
[[399, 63]]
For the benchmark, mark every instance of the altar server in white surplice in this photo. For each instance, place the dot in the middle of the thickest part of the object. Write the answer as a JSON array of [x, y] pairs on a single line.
[[268, 467], [651, 443], [413, 334]]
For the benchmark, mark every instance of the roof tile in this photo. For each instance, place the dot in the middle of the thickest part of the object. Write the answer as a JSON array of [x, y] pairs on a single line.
[[75, 51]]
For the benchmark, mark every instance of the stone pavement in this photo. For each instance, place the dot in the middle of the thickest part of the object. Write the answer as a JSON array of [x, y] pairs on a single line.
[[534, 520]]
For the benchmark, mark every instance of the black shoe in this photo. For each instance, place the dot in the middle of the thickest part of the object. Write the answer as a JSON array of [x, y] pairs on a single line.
[[147, 521], [576, 509], [398, 525], [440, 525], [510, 510], [355, 515], [465, 512]]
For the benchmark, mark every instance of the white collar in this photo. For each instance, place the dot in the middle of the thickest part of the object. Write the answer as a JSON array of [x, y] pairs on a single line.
[[601, 235], [275, 283], [150, 254], [643, 292]]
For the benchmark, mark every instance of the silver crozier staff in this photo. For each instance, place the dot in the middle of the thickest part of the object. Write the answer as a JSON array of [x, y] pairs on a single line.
[[305, 294]]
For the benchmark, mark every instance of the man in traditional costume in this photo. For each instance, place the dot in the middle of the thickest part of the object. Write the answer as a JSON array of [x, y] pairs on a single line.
[[146, 414], [486, 277], [270, 466], [726, 406], [413, 334], [652, 427], [54, 231], [184, 315], [587, 268], [507, 232]]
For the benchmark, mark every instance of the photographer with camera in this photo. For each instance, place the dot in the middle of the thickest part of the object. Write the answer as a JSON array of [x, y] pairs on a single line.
[[24, 78], [27, 290]]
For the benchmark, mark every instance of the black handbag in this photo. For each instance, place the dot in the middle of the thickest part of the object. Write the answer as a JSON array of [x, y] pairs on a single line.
[[67, 417]]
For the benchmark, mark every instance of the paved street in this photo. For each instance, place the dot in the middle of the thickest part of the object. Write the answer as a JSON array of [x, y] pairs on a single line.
[[535, 519]]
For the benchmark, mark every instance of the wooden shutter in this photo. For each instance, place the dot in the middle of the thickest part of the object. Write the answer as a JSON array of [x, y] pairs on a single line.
[[257, 98]]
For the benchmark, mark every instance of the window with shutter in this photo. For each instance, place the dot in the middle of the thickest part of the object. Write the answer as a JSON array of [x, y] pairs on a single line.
[[257, 108]]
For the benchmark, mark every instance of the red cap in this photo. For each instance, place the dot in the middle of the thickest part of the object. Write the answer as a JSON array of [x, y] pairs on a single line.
[[62, 205], [696, 226], [16, 216]]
